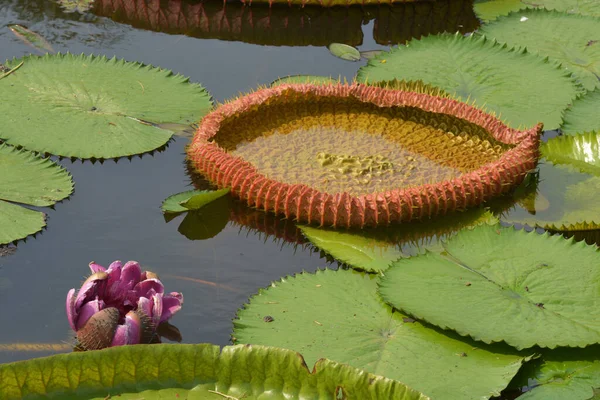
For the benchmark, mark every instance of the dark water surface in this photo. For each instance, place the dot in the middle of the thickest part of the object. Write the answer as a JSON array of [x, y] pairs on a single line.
[[114, 212]]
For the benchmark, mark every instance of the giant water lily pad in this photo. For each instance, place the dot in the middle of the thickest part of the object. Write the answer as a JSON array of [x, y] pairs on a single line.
[[583, 116], [491, 9], [571, 200], [572, 374], [581, 151], [481, 71], [571, 39], [27, 179], [203, 371], [355, 155], [338, 315], [492, 279], [94, 107]]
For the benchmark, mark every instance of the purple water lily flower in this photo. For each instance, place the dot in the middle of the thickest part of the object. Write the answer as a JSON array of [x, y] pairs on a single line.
[[119, 305]]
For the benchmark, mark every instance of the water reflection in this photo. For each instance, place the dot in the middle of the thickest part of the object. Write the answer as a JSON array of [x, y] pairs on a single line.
[[282, 25]]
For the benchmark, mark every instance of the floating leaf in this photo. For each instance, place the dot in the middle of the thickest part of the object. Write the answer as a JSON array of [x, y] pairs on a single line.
[[191, 200], [572, 374], [373, 250], [344, 51], [31, 38], [338, 315], [27, 179], [303, 79], [581, 151], [572, 197], [490, 9], [491, 279], [483, 72], [583, 116], [358, 251], [80, 6], [562, 37], [104, 101], [202, 371]]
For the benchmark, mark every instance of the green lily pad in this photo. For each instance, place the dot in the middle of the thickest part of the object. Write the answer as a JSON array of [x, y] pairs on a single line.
[[373, 250], [191, 200], [94, 107], [338, 315], [572, 200], [206, 222], [343, 51], [581, 151], [202, 371], [571, 39], [27, 179], [583, 116], [490, 9], [492, 279], [483, 72], [361, 252], [572, 374], [314, 79]]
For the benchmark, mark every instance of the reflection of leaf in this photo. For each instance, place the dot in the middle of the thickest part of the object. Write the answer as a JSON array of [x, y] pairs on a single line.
[[31, 38], [344, 51], [479, 70], [338, 315], [562, 374], [491, 279], [27, 179], [201, 371], [583, 115], [103, 100], [554, 34], [206, 222], [191, 200]]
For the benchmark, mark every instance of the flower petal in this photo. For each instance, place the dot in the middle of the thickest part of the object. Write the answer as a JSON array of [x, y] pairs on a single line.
[[96, 267], [130, 332], [130, 275], [86, 311], [71, 311], [148, 288], [92, 287], [171, 304]]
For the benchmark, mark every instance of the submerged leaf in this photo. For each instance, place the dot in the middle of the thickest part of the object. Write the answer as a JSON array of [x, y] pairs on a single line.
[[27, 179], [345, 52], [201, 371], [562, 37], [492, 279], [584, 115], [206, 222], [31, 38], [490, 9], [338, 315], [483, 72], [103, 101]]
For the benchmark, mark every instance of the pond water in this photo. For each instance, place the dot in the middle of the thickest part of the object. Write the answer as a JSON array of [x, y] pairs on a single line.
[[114, 212]]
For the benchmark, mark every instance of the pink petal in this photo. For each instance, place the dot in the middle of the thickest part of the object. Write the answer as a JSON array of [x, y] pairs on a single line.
[[130, 332], [157, 309], [96, 267], [92, 287], [86, 311], [130, 275], [71, 311], [171, 304], [148, 288], [146, 306]]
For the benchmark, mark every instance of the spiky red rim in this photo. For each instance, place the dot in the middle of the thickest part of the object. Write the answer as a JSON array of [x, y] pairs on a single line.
[[309, 205]]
